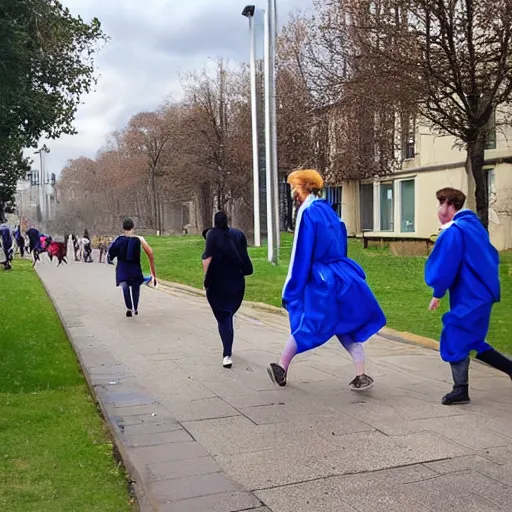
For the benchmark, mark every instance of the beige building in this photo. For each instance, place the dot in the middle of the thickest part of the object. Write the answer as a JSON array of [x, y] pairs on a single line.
[[403, 205]]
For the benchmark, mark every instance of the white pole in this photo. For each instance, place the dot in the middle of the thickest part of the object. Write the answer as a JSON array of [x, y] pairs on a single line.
[[268, 140], [273, 124], [255, 149], [41, 192]]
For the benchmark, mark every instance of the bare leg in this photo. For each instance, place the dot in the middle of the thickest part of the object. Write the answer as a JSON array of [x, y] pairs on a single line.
[[289, 352], [362, 381], [278, 372], [356, 352]]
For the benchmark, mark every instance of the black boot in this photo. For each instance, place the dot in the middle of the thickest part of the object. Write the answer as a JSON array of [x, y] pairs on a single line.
[[460, 392], [496, 360]]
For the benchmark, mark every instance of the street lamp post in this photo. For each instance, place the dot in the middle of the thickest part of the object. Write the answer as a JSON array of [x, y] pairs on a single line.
[[271, 134], [42, 180], [249, 13]]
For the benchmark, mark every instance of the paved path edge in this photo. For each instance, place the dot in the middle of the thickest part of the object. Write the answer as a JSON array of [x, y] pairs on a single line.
[[119, 452]]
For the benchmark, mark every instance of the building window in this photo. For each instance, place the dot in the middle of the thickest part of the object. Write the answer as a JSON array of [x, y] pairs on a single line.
[[366, 206], [334, 196], [491, 187], [387, 210], [407, 206], [408, 126], [490, 142], [409, 147]]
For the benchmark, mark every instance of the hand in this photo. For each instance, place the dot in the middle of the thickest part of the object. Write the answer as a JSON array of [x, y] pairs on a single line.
[[434, 304]]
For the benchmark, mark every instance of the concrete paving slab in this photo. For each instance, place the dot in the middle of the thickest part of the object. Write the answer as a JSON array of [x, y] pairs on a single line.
[[352, 453], [179, 469], [191, 487], [227, 502], [207, 408]]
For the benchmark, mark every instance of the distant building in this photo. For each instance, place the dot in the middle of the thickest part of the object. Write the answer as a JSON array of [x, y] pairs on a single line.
[[35, 201], [403, 205]]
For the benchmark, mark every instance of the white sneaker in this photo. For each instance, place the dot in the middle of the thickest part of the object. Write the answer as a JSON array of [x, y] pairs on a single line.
[[227, 362]]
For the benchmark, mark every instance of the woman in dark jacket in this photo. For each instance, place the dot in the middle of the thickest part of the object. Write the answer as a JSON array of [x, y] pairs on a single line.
[[225, 263]]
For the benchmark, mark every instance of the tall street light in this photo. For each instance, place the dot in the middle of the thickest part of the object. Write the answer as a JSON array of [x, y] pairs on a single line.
[[248, 12], [42, 179], [271, 134]]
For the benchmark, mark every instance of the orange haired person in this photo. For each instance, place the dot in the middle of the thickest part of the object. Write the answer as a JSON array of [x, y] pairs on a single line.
[[325, 292]]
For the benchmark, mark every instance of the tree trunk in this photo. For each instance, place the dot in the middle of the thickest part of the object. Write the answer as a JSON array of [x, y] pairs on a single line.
[[205, 205], [154, 205], [478, 197]]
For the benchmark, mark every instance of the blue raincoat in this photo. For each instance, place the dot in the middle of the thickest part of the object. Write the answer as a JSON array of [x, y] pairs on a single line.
[[325, 292], [6, 238], [464, 263]]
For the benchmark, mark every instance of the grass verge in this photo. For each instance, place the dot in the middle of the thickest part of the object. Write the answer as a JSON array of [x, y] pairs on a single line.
[[55, 454]]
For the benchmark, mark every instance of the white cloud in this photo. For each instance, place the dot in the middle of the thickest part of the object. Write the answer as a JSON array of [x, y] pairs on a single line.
[[152, 42]]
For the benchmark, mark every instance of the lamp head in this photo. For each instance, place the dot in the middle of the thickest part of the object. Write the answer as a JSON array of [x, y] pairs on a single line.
[[248, 11]]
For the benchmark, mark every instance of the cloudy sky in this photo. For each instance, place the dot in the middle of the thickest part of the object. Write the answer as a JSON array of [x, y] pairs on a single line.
[[152, 42]]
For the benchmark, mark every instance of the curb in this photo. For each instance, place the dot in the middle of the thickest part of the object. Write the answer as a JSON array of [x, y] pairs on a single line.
[[385, 332], [119, 453], [411, 339]]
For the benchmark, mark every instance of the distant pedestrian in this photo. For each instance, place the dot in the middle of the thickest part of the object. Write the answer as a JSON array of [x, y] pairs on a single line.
[[20, 241], [76, 247], [102, 246], [464, 263], [127, 249], [225, 264], [58, 249], [87, 247], [6, 242], [325, 293], [34, 238]]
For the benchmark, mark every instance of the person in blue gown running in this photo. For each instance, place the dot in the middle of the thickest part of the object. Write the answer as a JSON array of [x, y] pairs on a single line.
[[127, 249], [325, 293], [465, 264]]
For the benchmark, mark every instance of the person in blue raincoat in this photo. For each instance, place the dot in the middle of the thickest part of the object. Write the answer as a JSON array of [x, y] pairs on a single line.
[[325, 293], [465, 263], [6, 239]]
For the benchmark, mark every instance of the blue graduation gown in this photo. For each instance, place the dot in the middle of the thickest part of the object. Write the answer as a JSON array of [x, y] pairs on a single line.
[[326, 293], [464, 263]]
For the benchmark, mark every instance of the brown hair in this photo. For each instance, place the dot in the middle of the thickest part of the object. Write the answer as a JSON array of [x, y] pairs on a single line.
[[452, 196], [308, 179]]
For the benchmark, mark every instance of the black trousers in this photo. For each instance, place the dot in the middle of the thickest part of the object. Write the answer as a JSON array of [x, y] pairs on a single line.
[[226, 330], [224, 306]]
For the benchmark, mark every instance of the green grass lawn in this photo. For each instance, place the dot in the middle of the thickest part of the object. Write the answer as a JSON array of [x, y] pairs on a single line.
[[396, 281], [55, 454]]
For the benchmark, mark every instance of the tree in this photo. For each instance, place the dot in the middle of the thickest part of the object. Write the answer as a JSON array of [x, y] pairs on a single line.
[[353, 138], [46, 66], [218, 134], [148, 134], [451, 57], [9, 176], [295, 105]]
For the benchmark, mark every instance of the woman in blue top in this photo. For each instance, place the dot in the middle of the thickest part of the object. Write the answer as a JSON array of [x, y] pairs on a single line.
[[325, 292], [127, 248]]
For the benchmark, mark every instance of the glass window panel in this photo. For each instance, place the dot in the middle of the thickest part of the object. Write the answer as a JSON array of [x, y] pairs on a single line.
[[407, 206], [386, 207], [366, 206]]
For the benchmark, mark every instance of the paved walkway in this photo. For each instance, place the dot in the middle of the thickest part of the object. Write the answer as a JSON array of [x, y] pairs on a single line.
[[198, 438]]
